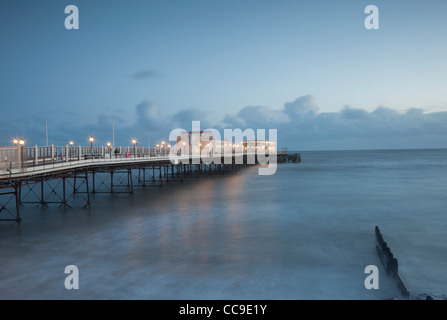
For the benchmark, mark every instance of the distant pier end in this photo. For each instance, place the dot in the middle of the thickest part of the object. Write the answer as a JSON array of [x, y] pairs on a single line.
[[285, 157]]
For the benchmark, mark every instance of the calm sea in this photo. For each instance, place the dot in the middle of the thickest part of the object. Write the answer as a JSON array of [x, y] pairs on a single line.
[[306, 232]]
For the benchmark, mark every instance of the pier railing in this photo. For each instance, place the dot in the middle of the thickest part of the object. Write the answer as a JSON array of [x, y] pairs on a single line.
[[25, 159]]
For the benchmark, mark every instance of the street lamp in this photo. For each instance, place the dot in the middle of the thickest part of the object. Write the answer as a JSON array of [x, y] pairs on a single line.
[[134, 141], [110, 148], [91, 139], [71, 145], [19, 144]]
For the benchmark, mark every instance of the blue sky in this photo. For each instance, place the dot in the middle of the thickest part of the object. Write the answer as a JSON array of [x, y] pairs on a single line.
[[156, 65]]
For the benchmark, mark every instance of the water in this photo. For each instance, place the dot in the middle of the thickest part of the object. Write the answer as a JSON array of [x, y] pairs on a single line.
[[306, 232]]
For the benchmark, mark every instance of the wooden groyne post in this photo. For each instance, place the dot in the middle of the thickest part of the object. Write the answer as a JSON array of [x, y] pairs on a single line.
[[390, 263]]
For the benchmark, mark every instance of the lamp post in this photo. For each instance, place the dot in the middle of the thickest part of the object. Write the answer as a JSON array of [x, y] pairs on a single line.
[[110, 149], [134, 141], [163, 144], [91, 139], [157, 148], [71, 145], [19, 144]]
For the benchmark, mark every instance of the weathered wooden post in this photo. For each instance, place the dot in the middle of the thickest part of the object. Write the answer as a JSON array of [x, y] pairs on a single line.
[[390, 263]]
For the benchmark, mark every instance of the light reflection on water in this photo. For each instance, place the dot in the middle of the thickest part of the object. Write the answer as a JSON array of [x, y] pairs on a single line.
[[305, 233]]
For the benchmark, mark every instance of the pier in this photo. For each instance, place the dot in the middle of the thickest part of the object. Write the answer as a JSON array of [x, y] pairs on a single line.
[[70, 175]]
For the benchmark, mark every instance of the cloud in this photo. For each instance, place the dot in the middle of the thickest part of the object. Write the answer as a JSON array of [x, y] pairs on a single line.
[[184, 118], [302, 107], [147, 116], [145, 74], [355, 114], [389, 114], [300, 125]]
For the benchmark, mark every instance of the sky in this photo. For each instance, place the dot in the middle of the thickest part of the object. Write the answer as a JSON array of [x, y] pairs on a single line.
[[309, 69]]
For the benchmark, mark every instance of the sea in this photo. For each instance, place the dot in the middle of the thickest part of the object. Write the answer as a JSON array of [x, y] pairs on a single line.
[[304, 233]]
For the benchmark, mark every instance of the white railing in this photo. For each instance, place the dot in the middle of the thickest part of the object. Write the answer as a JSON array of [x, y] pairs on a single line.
[[23, 161], [25, 157]]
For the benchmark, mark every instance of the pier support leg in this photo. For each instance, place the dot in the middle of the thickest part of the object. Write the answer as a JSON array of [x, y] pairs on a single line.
[[88, 191], [161, 179], [17, 188], [64, 198], [111, 182], [20, 195], [42, 199], [129, 172]]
